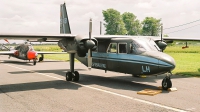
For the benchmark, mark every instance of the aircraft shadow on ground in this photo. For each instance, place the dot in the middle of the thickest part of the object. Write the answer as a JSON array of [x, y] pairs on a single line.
[[56, 71], [57, 84], [61, 84], [126, 82], [19, 62], [25, 62]]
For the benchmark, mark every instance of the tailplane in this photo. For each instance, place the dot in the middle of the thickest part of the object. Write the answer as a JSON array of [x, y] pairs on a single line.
[[6, 48], [64, 21]]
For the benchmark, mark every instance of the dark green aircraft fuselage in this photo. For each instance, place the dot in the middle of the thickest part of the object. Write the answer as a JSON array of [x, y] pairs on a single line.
[[136, 59]]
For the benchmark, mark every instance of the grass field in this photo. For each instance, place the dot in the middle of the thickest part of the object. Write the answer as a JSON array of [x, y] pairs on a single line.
[[187, 60], [53, 48]]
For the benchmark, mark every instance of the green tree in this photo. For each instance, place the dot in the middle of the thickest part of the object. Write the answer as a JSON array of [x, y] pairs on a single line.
[[132, 25], [151, 26], [114, 24]]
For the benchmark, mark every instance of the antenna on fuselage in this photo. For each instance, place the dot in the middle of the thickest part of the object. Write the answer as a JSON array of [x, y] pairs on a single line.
[[100, 27]]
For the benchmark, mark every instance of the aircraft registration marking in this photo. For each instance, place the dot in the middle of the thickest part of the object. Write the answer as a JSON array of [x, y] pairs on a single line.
[[63, 21], [99, 65], [146, 69]]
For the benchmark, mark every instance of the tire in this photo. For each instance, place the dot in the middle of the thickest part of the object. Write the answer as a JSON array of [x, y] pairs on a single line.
[[68, 76], [34, 62], [40, 59], [75, 76], [166, 83], [135, 75]]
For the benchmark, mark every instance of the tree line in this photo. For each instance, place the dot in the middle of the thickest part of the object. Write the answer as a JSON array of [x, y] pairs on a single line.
[[128, 24]]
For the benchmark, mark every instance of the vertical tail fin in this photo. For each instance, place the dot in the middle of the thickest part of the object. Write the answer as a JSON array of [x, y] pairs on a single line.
[[64, 21]]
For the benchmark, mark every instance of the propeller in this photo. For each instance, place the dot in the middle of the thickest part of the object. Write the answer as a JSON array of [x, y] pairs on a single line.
[[90, 44]]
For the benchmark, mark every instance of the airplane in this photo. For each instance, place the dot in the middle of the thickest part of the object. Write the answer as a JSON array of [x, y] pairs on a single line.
[[136, 55], [25, 51]]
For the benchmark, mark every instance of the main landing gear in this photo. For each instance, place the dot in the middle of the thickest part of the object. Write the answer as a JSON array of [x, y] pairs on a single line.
[[34, 61], [41, 58], [72, 75], [166, 82]]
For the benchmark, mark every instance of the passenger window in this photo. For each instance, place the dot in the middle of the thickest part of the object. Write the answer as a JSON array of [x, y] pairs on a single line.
[[122, 48], [112, 48]]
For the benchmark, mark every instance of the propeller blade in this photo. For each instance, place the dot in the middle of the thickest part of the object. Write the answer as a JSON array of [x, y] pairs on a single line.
[[89, 59], [90, 28], [89, 50]]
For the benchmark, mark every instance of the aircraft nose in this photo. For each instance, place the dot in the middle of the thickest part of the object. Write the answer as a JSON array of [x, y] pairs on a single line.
[[31, 55], [166, 61]]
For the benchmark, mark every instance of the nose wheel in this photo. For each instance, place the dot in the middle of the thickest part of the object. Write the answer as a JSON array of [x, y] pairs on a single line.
[[166, 82], [72, 76]]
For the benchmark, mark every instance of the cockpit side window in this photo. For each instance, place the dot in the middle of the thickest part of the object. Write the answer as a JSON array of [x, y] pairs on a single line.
[[112, 48], [122, 48], [133, 47], [136, 48], [145, 45]]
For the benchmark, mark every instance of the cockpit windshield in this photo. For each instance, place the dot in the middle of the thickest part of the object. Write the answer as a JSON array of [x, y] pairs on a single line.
[[145, 45]]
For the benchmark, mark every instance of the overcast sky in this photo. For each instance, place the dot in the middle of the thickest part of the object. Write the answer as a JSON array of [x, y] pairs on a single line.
[[42, 16]]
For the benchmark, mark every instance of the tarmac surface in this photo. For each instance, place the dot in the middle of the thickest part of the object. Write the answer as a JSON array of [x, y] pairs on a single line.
[[24, 87]]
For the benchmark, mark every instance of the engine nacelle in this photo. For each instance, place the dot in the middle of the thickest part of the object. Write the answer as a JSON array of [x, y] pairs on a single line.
[[162, 45], [79, 45], [84, 43]]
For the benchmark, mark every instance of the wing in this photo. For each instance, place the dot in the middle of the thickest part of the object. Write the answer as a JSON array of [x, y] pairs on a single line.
[[182, 38], [41, 52], [156, 38], [7, 52], [37, 37]]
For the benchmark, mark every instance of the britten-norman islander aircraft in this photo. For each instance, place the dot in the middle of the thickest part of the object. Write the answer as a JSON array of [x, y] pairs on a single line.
[[136, 55], [26, 51]]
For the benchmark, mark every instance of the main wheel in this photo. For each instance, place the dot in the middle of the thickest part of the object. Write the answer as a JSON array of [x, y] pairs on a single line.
[[166, 83], [40, 59], [135, 75], [75, 76], [34, 62], [69, 76]]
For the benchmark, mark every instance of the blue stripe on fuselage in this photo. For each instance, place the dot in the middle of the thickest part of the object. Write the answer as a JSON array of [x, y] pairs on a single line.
[[129, 58]]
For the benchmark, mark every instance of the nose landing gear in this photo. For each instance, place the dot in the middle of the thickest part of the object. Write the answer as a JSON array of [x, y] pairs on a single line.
[[166, 82]]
